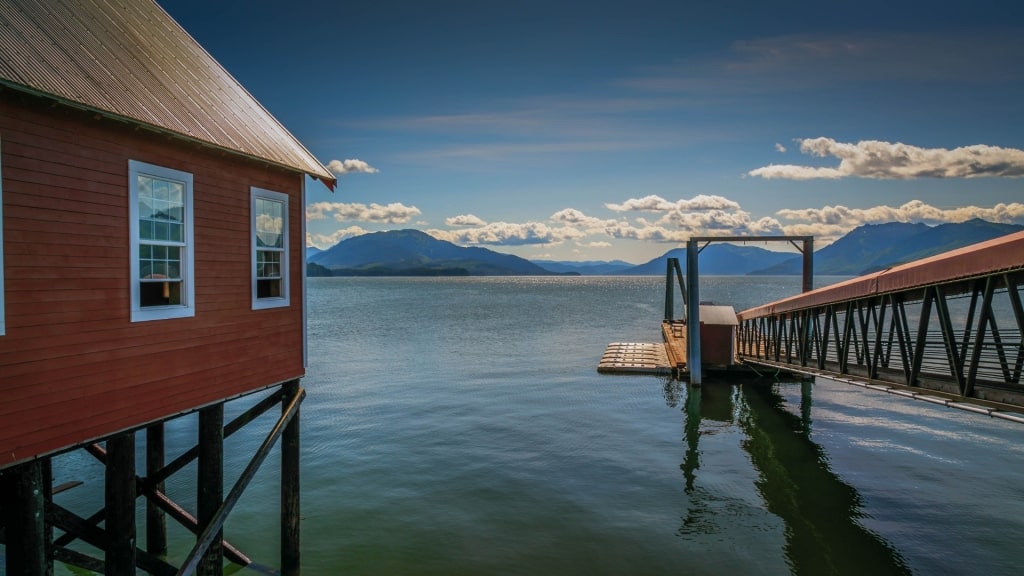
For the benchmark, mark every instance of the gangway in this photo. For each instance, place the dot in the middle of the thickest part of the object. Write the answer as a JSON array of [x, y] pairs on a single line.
[[950, 323]]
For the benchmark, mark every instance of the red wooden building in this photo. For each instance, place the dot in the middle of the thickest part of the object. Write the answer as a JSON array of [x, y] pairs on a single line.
[[151, 256]]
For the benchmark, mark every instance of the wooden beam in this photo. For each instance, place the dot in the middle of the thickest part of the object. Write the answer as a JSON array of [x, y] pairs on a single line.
[[170, 507], [241, 420], [211, 530]]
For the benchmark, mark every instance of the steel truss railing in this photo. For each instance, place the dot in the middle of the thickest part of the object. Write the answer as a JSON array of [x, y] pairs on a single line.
[[959, 337]]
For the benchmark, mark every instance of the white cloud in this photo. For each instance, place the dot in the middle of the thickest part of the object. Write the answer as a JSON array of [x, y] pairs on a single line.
[[325, 241], [509, 234], [573, 217], [702, 215], [779, 147], [913, 211], [464, 220], [349, 166], [595, 244], [888, 160], [655, 203], [393, 213]]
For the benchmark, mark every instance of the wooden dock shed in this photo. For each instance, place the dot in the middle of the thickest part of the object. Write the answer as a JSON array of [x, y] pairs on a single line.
[[718, 334], [152, 250]]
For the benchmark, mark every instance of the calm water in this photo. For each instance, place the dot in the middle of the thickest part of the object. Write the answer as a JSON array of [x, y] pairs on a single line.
[[459, 426]]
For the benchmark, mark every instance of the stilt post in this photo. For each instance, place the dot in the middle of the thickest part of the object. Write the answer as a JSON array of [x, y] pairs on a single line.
[[120, 505], [669, 289], [23, 505], [211, 484], [808, 268], [156, 520], [290, 511], [693, 312]]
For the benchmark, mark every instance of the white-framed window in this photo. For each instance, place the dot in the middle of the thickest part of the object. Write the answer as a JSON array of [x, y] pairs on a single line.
[[3, 318], [269, 212], [162, 246]]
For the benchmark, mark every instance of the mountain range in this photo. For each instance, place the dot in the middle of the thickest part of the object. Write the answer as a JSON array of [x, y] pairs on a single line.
[[874, 247], [415, 253], [868, 248]]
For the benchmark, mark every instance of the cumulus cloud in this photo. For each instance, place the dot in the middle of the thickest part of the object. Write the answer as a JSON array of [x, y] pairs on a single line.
[[913, 211], [779, 147], [349, 166], [701, 215], [509, 234], [464, 220], [393, 213], [573, 217], [325, 241], [655, 203], [898, 161]]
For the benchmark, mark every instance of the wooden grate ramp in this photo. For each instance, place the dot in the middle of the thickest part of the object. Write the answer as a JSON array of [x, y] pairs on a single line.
[[635, 358]]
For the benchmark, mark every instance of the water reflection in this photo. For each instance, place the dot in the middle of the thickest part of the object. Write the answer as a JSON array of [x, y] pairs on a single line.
[[820, 511]]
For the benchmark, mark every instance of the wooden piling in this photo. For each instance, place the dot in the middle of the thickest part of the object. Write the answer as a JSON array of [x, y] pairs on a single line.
[[156, 520], [290, 510], [120, 505], [23, 506], [211, 484]]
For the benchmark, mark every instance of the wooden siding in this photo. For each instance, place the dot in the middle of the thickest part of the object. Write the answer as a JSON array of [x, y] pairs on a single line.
[[73, 367]]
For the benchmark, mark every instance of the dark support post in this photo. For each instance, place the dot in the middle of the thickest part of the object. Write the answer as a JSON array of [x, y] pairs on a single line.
[[693, 312], [669, 290], [290, 513], [23, 506], [808, 283], [211, 484], [120, 505], [156, 521], [46, 465]]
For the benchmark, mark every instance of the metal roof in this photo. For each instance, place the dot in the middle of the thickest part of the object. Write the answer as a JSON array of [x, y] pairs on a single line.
[[1002, 254], [718, 315], [130, 60]]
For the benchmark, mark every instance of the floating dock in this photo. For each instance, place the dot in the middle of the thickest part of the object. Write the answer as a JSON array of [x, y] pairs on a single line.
[[657, 358], [635, 358], [668, 358]]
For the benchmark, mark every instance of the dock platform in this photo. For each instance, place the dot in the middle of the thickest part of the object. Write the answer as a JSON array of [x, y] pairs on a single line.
[[666, 358], [658, 358], [635, 358]]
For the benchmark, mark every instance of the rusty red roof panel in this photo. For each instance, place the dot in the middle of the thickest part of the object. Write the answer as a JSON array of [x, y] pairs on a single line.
[[129, 59], [997, 255]]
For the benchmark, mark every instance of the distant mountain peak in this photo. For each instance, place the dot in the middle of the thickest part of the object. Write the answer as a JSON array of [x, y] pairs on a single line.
[[413, 252]]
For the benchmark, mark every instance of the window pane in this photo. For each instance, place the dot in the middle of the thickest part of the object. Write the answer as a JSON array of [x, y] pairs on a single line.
[[268, 289], [160, 189], [176, 193], [145, 207], [269, 223], [174, 232], [159, 293], [268, 264]]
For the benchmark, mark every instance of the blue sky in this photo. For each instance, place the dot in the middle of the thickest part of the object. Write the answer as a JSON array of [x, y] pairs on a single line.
[[615, 130]]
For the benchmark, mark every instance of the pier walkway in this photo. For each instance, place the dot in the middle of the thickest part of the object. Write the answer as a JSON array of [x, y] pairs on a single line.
[[951, 323]]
